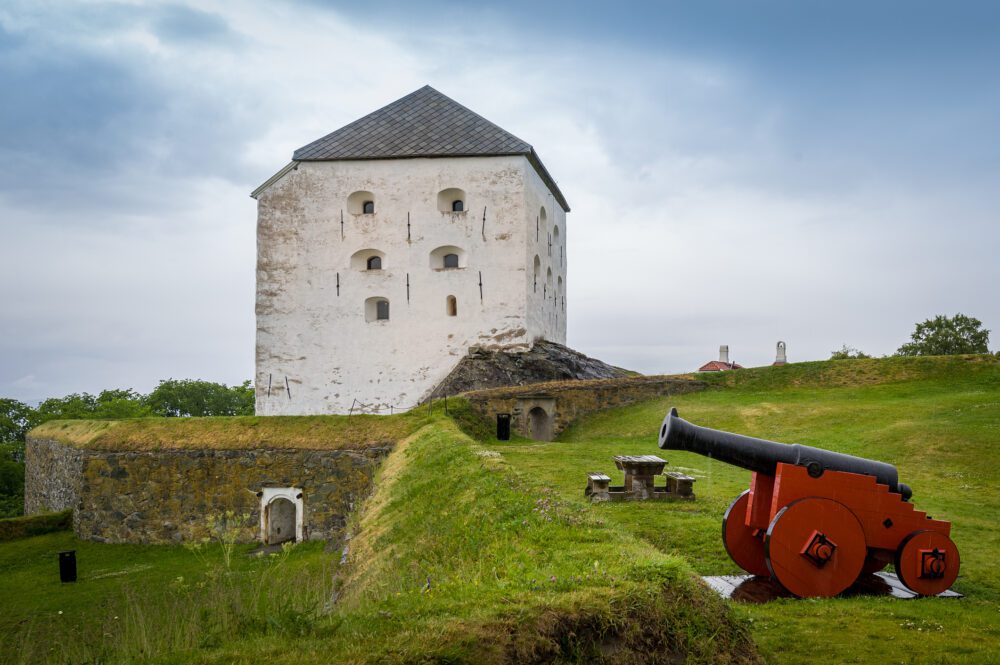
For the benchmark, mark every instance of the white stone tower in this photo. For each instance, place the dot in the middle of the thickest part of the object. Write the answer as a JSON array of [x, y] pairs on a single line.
[[389, 248]]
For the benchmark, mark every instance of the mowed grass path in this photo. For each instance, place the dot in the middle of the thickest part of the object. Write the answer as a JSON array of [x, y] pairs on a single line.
[[937, 420]]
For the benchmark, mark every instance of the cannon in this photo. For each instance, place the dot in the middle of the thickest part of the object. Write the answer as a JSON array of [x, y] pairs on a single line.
[[816, 520]]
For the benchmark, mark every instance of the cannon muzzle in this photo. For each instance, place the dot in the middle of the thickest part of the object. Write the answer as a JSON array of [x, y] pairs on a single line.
[[763, 456]]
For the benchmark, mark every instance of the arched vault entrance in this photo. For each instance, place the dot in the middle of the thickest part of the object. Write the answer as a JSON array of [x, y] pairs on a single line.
[[281, 515], [535, 416], [540, 424]]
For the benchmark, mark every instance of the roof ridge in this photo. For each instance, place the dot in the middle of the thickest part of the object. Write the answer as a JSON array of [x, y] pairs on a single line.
[[423, 123]]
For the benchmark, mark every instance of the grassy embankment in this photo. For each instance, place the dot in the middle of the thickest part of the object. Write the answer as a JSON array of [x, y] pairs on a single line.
[[238, 432], [937, 419], [456, 558]]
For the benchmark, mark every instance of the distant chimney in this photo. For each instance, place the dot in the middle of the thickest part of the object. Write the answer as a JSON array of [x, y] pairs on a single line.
[[780, 359], [724, 353]]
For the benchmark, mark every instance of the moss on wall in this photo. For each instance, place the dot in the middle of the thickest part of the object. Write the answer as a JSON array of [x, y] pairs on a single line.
[[171, 495], [573, 399]]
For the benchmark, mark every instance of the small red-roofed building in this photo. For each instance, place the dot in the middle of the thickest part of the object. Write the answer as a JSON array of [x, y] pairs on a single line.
[[722, 364]]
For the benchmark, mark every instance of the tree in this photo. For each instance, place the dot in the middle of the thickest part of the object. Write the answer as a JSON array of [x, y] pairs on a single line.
[[188, 397], [848, 353], [11, 486], [16, 418], [947, 336], [109, 405]]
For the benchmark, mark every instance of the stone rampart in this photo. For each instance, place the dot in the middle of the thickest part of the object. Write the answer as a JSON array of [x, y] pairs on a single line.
[[541, 411], [53, 473], [170, 495]]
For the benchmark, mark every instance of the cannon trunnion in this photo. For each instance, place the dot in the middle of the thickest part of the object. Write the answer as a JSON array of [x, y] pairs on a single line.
[[816, 520]]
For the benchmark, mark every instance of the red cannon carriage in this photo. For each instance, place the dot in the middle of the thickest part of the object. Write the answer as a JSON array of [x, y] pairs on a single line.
[[816, 520]]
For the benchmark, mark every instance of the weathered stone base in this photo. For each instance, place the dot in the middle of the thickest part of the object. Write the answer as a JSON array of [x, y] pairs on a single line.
[[171, 495], [544, 410]]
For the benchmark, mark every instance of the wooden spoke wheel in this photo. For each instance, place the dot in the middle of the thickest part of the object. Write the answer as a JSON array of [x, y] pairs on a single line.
[[815, 547], [927, 562], [744, 545]]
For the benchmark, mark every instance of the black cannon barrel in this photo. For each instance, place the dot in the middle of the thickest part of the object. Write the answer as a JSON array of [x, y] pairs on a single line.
[[762, 456]]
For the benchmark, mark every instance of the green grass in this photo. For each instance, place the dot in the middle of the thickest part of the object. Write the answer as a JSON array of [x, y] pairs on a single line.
[[132, 601], [937, 419], [475, 551], [459, 560], [456, 559], [239, 432]]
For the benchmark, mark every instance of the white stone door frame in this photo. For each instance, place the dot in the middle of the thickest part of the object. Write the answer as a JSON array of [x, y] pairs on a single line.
[[293, 494]]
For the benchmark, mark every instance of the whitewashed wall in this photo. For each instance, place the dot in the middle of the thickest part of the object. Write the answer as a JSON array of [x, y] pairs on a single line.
[[319, 341]]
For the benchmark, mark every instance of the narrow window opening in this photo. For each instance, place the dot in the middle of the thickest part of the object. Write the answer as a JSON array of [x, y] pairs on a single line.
[[451, 260], [452, 306], [457, 206], [374, 263], [382, 310], [368, 208]]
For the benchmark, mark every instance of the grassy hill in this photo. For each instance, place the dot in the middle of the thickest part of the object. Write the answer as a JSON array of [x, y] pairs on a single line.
[[476, 551], [456, 559], [937, 419]]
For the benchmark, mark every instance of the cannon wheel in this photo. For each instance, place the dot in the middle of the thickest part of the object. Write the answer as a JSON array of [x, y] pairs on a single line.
[[802, 524], [912, 569], [743, 547]]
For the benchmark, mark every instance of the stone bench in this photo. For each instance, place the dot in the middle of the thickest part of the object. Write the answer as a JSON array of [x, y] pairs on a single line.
[[679, 484], [598, 487]]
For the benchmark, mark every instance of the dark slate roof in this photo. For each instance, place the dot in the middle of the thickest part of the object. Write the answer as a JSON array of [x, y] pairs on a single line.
[[424, 123]]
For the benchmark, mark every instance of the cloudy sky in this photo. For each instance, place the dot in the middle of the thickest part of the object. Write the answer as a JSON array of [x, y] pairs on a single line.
[[740, 172]]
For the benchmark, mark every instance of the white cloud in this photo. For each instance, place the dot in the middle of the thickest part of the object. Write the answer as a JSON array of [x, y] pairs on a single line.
[[696, 221]]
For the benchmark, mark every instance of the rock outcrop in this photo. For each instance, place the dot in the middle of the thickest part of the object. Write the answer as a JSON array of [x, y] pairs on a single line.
[[545, 361]]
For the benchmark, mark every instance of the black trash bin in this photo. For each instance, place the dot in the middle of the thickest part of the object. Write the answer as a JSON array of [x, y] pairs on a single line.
[[503, 427], [67, 566]]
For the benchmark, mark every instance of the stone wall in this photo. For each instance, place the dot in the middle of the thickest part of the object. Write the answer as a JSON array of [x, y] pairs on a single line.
[[53, 473], [564, 402], [170, 495]]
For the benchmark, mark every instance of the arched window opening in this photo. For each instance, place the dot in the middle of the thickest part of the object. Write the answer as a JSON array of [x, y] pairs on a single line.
[[538, 269], [369, 259], [451, 306], [447, 257], [361, 203], [377, 309], [451, 200]]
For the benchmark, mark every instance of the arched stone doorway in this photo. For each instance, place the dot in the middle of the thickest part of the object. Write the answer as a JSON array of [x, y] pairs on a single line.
[[281, 518], [540, 424], [280, 521]]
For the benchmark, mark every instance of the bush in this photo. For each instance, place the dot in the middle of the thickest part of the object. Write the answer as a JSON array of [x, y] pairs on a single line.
[[848, 353], [35, 525]]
